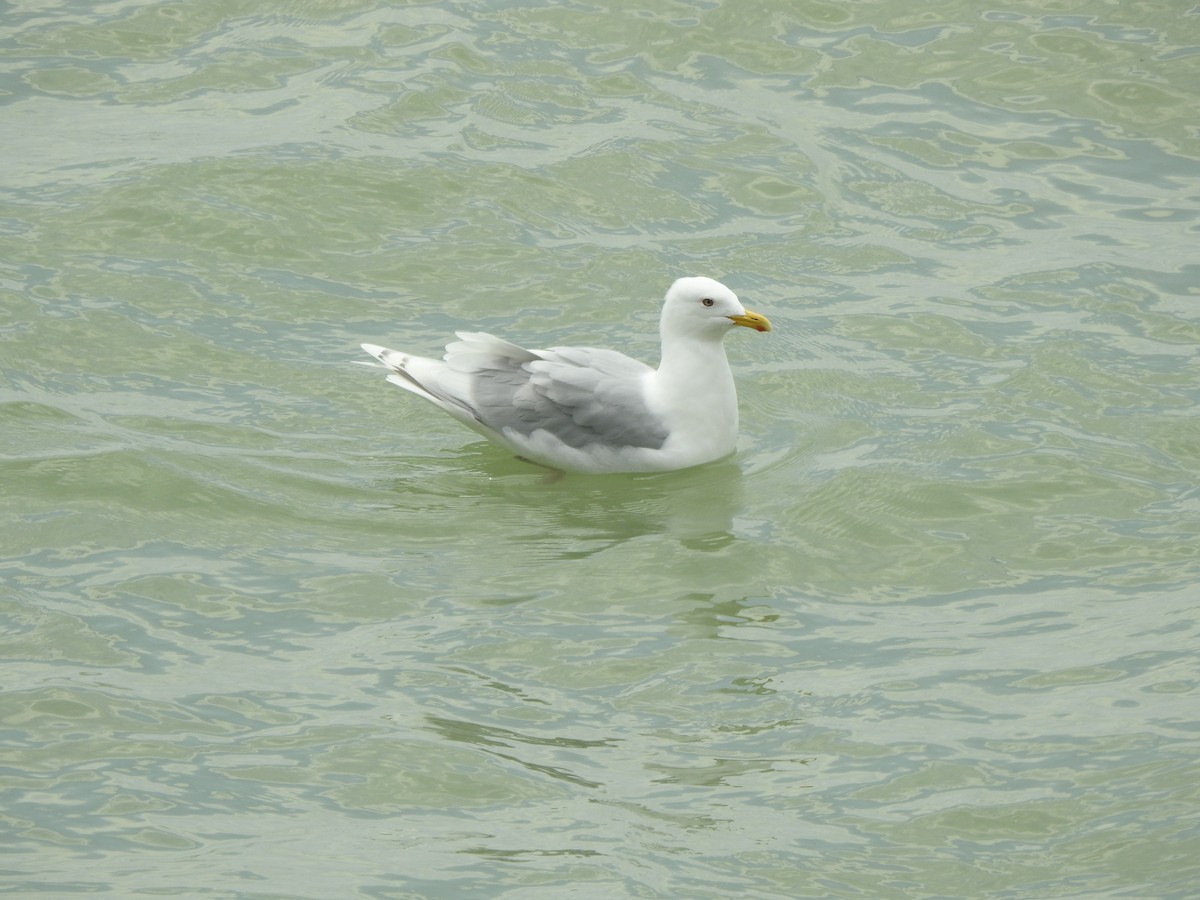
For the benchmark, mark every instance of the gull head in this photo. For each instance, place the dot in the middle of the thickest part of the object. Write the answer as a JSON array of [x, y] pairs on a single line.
[[704, 308]]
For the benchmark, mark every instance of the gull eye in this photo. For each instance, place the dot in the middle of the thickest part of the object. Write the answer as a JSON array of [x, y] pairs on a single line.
[[707, 301]]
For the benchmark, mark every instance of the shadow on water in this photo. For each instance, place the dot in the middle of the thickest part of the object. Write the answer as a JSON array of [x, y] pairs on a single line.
[[581, 514]]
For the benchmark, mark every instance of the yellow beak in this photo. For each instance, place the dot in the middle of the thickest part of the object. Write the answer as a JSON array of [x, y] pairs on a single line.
[[752, 320]]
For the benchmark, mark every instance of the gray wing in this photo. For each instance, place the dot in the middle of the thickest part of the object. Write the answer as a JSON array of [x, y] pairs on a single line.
[[580, 395]]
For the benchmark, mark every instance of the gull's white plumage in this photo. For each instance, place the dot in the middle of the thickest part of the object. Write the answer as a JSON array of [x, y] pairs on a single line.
[[588, 410]]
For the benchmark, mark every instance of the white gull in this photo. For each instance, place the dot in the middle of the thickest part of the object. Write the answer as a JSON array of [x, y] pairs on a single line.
[[586, 410]]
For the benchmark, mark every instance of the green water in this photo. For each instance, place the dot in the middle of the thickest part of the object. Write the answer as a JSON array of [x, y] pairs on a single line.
[[271, 628]]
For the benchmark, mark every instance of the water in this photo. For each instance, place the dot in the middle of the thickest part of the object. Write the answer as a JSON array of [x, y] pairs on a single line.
[[273, 629]]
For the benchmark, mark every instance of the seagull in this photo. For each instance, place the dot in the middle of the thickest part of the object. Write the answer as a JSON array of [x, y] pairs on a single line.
[[580, 409]]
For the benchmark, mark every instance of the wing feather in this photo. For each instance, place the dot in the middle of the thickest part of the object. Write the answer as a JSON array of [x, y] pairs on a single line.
[[580, 396]]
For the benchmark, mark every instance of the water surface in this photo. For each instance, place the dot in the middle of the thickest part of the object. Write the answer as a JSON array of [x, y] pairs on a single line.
[[272, 629]]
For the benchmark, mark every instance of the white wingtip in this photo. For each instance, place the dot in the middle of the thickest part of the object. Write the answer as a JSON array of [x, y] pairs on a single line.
[[389, 359]]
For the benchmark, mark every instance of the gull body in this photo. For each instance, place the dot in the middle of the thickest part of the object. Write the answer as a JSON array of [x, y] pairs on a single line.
[[588, 410]]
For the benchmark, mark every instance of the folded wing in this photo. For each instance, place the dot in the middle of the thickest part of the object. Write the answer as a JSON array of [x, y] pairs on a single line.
[[581, 396]]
